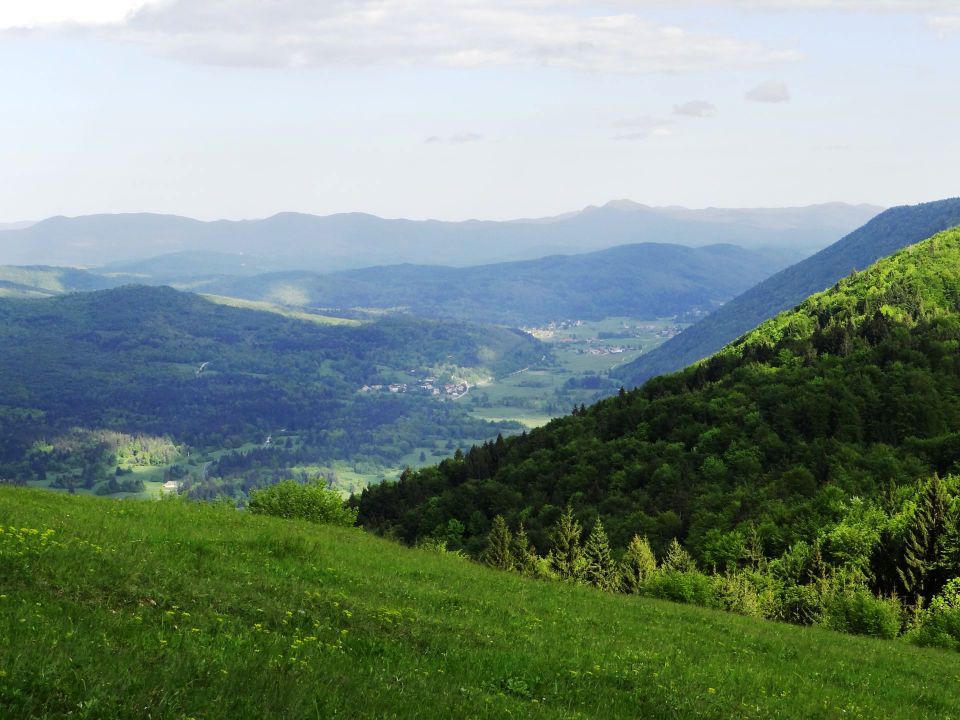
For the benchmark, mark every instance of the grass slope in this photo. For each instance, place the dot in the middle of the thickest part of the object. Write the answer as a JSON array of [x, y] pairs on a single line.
[[169, 610], [277, 309], [888, 232]]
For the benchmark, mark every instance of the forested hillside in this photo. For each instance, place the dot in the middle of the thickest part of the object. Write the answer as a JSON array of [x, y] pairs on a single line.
[[162, 363], [646, 281], [814, 441], [888, 232]]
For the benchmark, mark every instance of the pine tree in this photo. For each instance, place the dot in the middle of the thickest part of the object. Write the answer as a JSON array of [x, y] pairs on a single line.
[[498, 552], [525, 558], [924, 552], [566, 558], [753, 557], [638, 565], [950, 562], [677, 559], [600, 570]]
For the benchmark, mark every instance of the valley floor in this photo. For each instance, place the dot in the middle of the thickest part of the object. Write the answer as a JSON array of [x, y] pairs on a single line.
[[112, 609]]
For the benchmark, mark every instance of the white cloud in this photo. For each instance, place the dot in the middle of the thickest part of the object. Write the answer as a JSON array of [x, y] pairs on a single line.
[[572, 35], [944, 25], [770, 91], [457, 139], [37, 13], [643, 127], [905, 6], [696, 108]]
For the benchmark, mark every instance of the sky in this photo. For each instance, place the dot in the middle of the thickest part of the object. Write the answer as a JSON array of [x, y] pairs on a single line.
[[457, 109]]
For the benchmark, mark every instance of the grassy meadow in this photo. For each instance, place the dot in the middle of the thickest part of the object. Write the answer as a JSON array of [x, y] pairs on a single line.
[[113, 609]]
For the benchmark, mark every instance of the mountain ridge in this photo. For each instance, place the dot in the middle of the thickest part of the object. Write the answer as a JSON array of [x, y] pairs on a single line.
[[347, 240], [648, 280], [888, 232]]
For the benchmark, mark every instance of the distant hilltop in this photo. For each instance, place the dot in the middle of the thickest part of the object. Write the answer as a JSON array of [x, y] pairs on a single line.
[[350, 240]]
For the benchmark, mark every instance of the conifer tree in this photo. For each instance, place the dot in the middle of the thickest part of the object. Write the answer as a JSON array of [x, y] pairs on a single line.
[[924, 552], [525, 558], [753, 557], [498, 552], [677, 559], [638, 565], [950, 563], [566, 558], [818, 566], [600, 570]]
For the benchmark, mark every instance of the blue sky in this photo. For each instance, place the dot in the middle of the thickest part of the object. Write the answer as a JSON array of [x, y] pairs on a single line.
[[455, 109]]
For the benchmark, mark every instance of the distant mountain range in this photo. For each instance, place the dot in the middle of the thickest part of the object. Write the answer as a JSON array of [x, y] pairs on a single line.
[[888, 232], [295, 241], [15, 225]]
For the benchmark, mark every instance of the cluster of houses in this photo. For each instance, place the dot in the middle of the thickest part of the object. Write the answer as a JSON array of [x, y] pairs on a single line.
[[427, 386], [604, 350], [549, 330]]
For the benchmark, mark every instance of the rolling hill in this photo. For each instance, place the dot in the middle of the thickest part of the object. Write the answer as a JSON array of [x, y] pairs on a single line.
[[42, 280], [647, 281], [166, 364], [893, 229], [298, 241]]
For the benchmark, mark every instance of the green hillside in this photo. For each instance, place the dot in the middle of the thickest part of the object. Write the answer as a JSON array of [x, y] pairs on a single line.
[[184, 370], [809, 444], [648, 280], [179, 610], [888, 232], [41, 280]]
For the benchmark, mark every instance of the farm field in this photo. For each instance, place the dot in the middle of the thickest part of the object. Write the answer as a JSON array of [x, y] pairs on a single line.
[[584, 352]]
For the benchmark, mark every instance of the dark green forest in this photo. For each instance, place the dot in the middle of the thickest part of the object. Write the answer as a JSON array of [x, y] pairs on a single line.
[[824, 441], [129, 361]]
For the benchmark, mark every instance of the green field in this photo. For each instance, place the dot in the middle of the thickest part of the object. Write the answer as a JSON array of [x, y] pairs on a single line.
[[187, 610], [304, 315], [584, 352]]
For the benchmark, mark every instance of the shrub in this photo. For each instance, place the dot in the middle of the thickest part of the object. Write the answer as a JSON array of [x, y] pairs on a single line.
[[799, 605], [860, 612], [939, 624], [638, 566], [735, 593], [693, 587], [310, 501]]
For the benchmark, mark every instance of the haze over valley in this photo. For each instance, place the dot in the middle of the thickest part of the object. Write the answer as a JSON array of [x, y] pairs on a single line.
[[479, 359]]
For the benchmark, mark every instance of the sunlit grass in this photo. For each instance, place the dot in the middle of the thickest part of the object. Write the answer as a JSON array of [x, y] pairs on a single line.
[[280, 310], [175, 610]]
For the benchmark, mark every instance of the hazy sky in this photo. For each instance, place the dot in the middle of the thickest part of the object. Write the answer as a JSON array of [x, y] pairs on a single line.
[[470, 108]]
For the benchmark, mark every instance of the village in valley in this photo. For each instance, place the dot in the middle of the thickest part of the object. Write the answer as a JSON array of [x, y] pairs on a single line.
[[592, 338], [453, 390]]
